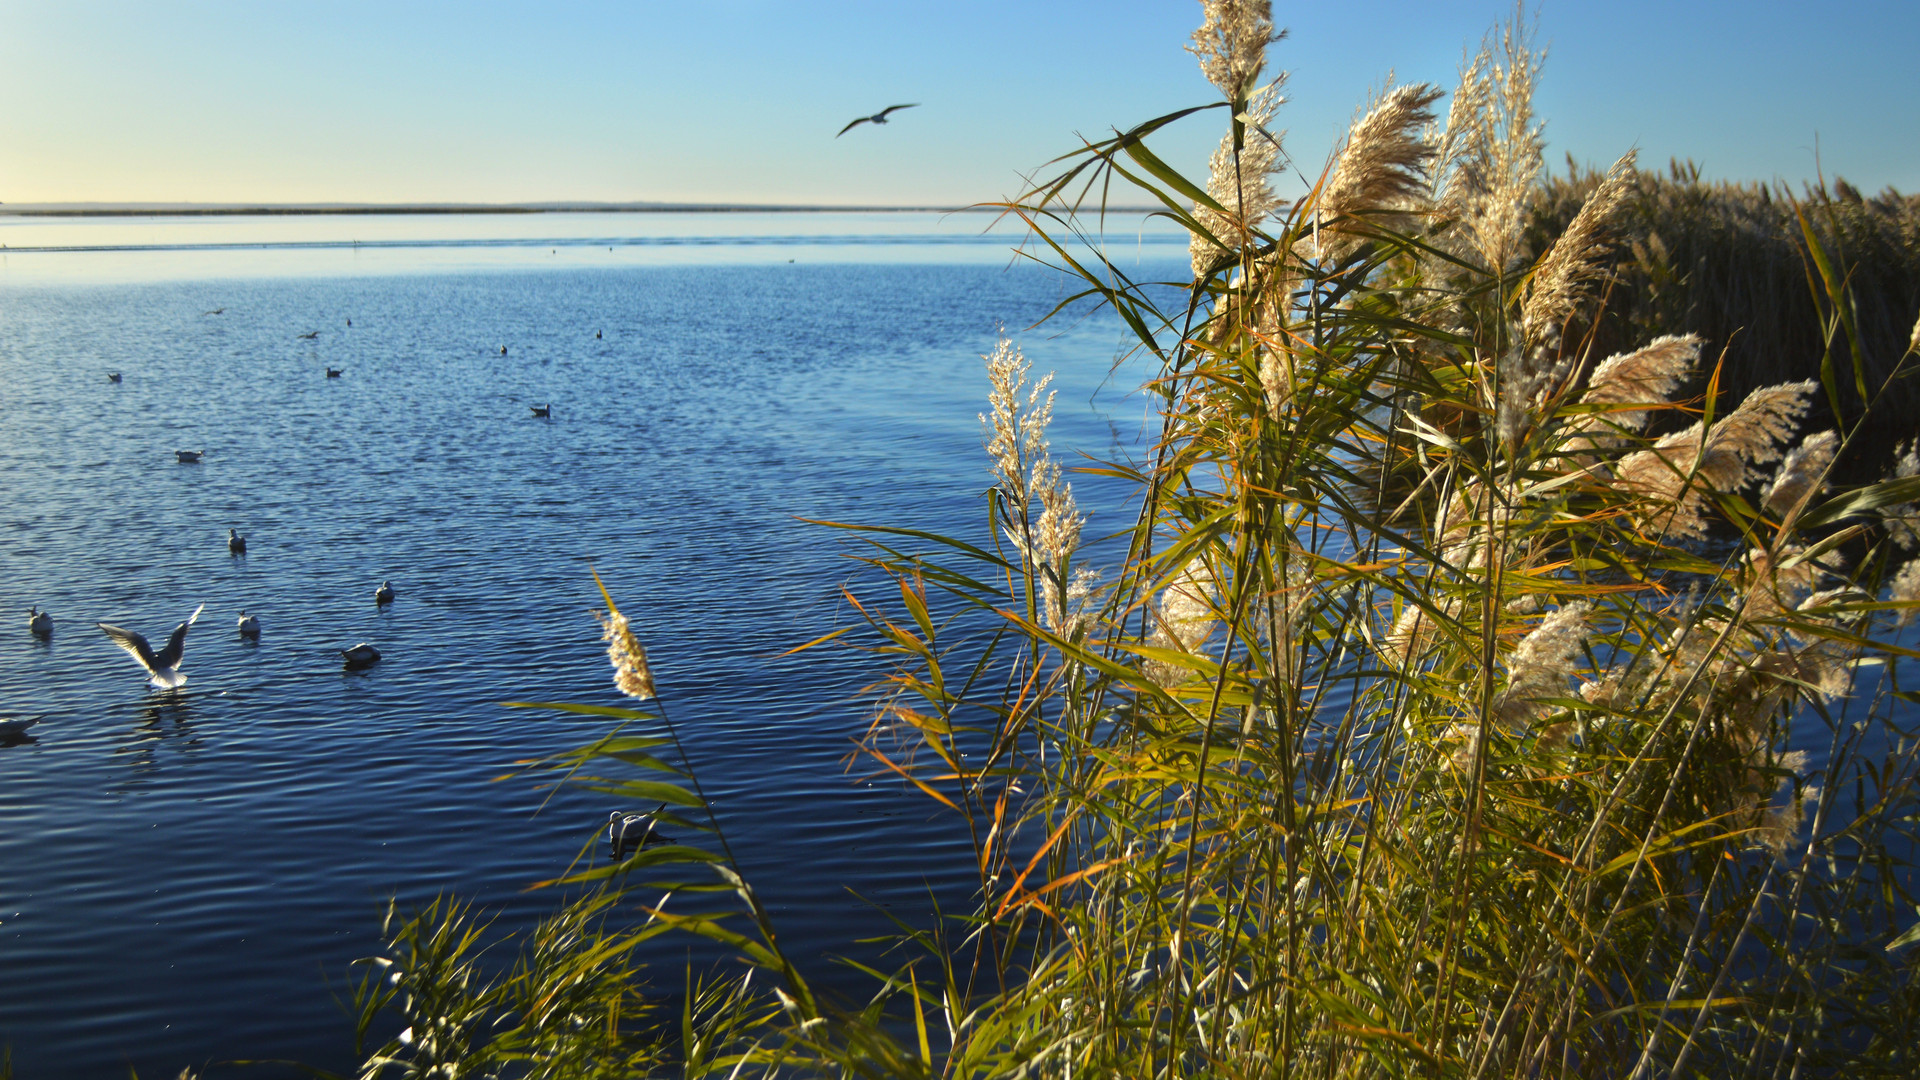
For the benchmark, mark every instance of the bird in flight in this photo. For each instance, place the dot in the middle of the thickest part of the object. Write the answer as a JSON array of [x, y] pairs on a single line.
[[215, 311], [308, 337], [877, 118], [164, 665]]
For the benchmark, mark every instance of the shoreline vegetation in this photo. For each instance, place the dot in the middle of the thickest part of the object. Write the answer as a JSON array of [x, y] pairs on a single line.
[[1467, 699]]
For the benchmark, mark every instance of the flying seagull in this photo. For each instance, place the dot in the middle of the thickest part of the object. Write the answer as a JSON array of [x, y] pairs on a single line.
[[877, 118], [164, 666]]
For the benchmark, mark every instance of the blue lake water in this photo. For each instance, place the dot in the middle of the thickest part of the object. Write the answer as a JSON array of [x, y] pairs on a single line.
[[181, 875]]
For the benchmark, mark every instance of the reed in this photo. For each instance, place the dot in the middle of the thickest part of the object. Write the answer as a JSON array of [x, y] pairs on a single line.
[[1468, 701], [1733, 263]]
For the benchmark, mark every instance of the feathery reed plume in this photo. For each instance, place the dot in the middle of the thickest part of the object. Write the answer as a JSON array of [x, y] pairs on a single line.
[[1769, 589], [1680, 469], [1041, 520], [629, 658], [1241, 181], [1802, 474], [1019, 431], [1906, 590], [1645, 376], [1903, 521], [1913, 339], [1184, 619], [1489, 157], [1382, 167], [1562, 274], [1542, 663], [1231, 44]]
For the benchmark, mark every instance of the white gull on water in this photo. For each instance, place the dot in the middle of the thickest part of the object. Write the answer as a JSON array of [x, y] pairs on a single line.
[[164, 666]]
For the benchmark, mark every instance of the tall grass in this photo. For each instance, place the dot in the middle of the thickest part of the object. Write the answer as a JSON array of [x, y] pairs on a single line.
[[1731, 262], [1443, 717]]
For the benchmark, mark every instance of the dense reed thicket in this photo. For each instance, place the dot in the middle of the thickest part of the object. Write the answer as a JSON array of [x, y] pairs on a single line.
[[1731, 263], [1469, 702]]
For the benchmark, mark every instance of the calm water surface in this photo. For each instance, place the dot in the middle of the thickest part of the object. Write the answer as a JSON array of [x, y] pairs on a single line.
[[181, 875]]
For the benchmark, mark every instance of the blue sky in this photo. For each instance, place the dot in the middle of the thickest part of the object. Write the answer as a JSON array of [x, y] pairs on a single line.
[[738, 100]]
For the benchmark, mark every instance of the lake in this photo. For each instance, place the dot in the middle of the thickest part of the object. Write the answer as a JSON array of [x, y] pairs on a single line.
[[183, 875]]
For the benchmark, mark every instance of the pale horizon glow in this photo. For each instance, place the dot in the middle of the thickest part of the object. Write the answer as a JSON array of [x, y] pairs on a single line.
[[737, 101]]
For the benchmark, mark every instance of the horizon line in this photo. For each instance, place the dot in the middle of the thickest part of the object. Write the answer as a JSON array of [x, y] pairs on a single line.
[[241, 209]]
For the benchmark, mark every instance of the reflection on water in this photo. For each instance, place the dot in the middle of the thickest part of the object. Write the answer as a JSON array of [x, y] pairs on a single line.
[[277, 801]]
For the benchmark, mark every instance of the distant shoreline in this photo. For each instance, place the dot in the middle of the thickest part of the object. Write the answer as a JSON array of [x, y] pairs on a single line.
[[297, 209]]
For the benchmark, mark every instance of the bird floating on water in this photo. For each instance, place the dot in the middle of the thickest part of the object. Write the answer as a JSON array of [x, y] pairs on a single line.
[[629, 831], [383, 594], [309, 336], [215, 311], [249, 625], [360, 656], [596, 333], [14, 732], [163, 666], [335, 372], [503, 350], [39, 623], [189, 457], [236, 543], [877, 118], [113, 376], [541, 410]]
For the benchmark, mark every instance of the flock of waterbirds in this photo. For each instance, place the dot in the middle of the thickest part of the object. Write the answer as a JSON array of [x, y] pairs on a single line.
[[163, 667], [192, 457], [626, 831]]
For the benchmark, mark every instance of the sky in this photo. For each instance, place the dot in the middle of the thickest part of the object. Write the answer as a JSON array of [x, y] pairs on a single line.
[[737, 101]]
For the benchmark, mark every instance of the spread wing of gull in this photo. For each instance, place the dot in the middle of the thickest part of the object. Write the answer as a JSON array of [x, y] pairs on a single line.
[[877, 118], [164, 665]]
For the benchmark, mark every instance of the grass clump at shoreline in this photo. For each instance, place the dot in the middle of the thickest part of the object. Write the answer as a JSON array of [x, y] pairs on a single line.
[[1468, 702]]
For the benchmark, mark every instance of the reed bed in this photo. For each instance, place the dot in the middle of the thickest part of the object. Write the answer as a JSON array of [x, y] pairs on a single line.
[[1470, 700], [1731, 263]]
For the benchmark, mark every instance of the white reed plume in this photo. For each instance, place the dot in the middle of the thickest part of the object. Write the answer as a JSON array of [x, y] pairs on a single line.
[[630, 671], [1779, 827], [1645, 376], [1913, 339], [1561, 276], [1771, 586], [1528, 379], [1231, 44], [1906, 590], [1542, 664], [1802, 474], [1680, 469], [1382, 167], [1042, 521], [1903, 521], [1184, 619], [1489, 157], [1241, 182]]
